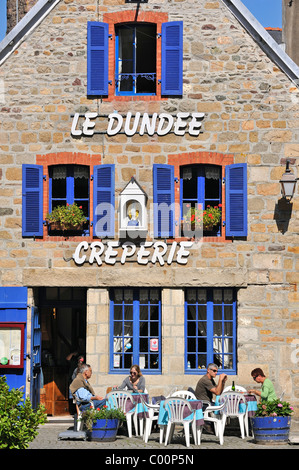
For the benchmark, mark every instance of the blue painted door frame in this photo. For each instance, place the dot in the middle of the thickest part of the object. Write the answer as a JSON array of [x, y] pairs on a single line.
[[13, 308]]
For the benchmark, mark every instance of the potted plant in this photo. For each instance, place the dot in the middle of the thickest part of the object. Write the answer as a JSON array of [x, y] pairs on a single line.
[[197, 219], [69, 217], [272, 422], [102, 423]]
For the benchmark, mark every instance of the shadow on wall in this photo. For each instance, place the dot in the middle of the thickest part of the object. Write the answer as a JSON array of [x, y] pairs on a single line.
[[282, 214]]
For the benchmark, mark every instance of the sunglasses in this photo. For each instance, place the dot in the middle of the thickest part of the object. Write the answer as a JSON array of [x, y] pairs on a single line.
[[133, 373], [214, 370]]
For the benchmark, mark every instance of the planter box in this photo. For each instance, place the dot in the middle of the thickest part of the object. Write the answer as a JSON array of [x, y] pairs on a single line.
[[104, 430], [57, 226], [270, 429]]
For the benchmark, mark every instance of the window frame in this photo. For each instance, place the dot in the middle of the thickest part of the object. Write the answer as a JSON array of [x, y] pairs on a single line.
[[134, 48], [201, 198], [135, 333], [209, 333], [70, 192]]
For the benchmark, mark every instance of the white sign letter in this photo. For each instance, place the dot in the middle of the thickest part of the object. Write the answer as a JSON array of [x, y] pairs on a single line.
[[126, 253], [76, 255], [96, 255], [194, 125], [132, 131], [182, 252], [114, 117], [163, 117], [88, 125], [179, 123], [75, 131]]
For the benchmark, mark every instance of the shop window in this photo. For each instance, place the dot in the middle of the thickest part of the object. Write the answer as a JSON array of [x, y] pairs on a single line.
[[68, 184], [200, 185], [135, 58], [135, 316], [210, 329]]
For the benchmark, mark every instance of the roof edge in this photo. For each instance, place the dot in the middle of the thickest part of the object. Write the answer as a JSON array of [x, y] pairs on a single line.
[[264, 39], [25, 27]]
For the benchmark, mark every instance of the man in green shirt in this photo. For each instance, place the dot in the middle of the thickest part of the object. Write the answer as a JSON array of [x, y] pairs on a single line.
[[267, 392]]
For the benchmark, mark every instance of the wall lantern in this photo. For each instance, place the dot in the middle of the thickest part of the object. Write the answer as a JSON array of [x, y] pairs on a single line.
[[288, 183], [132, 211]]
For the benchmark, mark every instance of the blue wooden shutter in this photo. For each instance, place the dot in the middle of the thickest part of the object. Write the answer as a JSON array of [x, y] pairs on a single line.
[[172, 58], [103, 200], [236, 200], [97, 58], [32, 200], [163, 198]]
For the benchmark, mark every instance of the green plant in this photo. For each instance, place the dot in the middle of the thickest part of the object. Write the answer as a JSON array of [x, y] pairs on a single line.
[[18, 421], [67, 216], [211, 216], [274, 408], [91, 415]]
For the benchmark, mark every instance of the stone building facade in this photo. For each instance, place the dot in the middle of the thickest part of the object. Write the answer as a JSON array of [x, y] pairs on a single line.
[[249, 116]]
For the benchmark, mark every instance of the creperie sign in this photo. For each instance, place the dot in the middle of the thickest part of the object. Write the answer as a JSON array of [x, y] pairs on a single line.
[[161, 124]]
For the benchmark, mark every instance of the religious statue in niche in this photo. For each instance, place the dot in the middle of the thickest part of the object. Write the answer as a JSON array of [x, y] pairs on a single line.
[[133, 211]]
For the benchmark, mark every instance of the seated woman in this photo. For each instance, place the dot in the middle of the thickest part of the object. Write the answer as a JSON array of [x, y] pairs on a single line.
[[135, 382]]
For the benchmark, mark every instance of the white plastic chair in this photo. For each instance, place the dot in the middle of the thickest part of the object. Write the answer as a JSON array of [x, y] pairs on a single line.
[[231, 409], [175, 408], [238, 388], [153, 414], [78, 423], [184, 394], [217, 419], [119, 399]]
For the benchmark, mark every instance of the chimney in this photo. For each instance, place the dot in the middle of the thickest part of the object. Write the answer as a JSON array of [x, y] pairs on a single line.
[[16, 10], [290, 30]]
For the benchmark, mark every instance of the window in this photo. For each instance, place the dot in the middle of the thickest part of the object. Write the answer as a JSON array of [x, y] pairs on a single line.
[[92, 187], [69, 184], [145, 61], [135, 57], [135, 332], [210, 329], [200, 185]]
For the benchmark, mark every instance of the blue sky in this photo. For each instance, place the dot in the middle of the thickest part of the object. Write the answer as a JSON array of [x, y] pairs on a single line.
[[267, 12]]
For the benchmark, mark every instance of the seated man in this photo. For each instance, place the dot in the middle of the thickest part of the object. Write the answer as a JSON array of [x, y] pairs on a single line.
[[83, 392], [206, 386]]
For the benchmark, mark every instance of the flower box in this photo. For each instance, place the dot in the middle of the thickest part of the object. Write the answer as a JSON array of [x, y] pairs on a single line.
[[66, 218]]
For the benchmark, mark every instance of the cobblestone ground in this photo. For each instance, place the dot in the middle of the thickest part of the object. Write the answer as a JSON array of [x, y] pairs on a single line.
[[48, 438]]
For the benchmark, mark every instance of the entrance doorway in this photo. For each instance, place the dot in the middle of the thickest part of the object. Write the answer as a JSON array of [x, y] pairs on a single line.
[[63, 331]]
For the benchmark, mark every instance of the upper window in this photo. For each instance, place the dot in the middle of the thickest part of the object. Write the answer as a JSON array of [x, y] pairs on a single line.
[[146, 63], [135, 56], [135, 338], [210, 329]]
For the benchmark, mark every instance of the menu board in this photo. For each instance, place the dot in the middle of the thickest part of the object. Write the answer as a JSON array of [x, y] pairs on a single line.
[[11, 345]]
